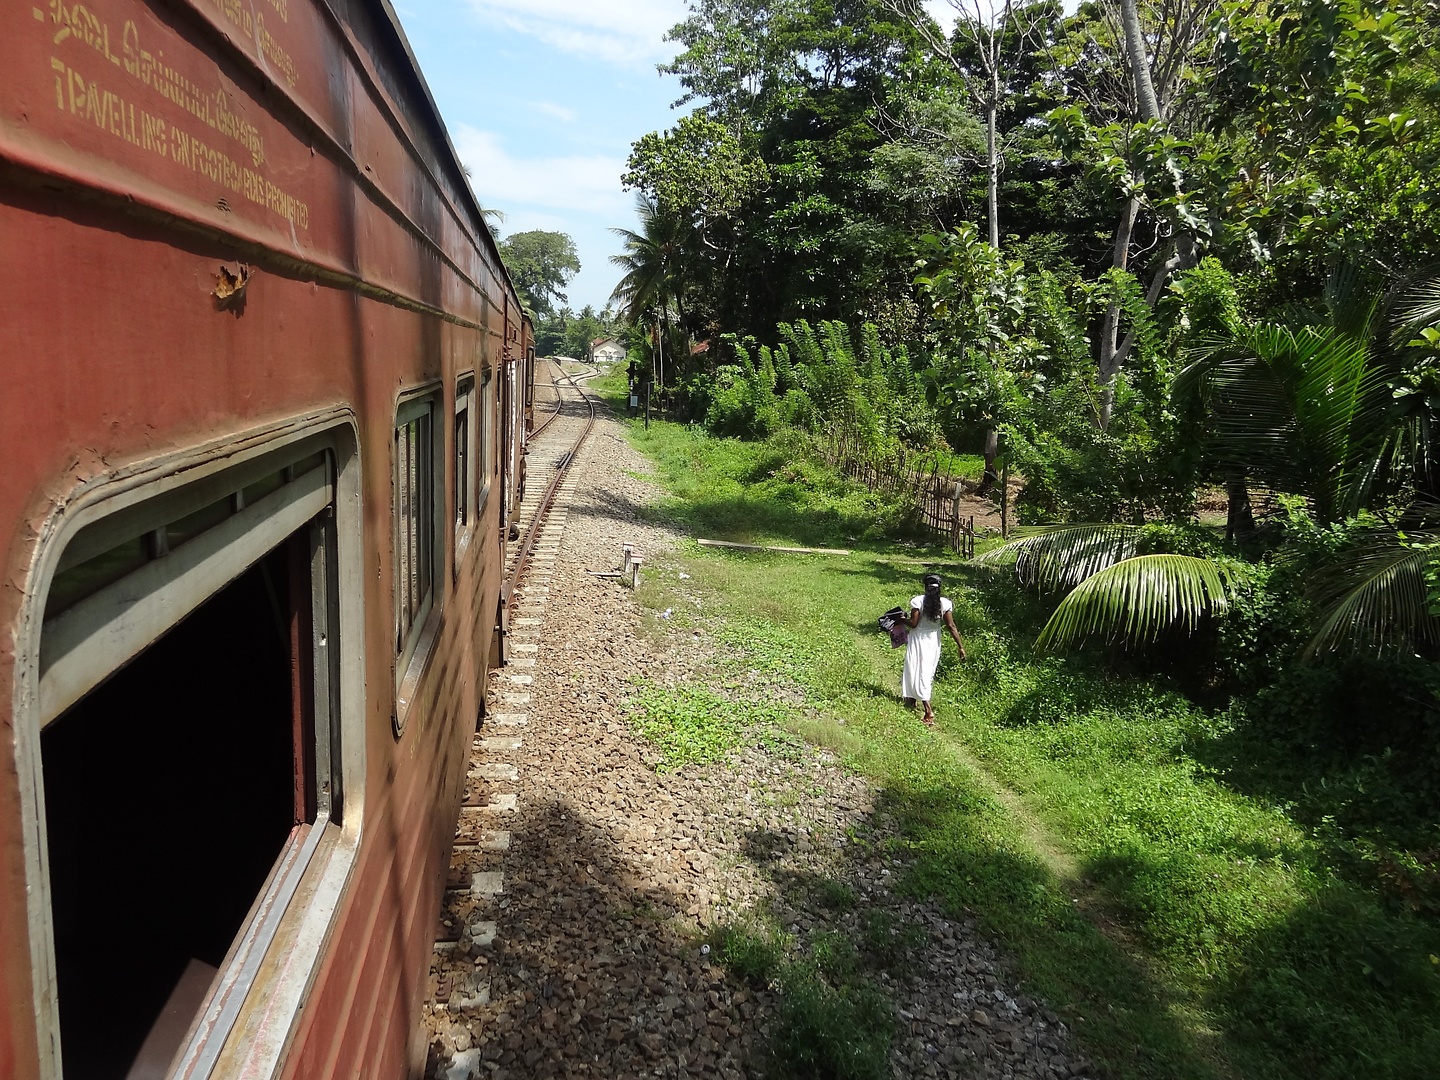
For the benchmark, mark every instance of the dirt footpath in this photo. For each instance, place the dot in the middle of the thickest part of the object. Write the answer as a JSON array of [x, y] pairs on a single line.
[[596, 963]]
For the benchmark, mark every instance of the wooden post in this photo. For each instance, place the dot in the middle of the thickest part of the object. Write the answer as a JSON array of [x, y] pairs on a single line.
[[955, 504], [1005, 497]]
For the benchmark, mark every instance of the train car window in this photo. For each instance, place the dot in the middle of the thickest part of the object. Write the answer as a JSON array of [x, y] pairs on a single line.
[[415, 533], [188, 674], [487, 437], [464, 462]]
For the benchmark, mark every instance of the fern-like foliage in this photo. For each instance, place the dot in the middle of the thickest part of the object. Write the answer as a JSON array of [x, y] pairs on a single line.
[[1060, 557], [1138, 599]]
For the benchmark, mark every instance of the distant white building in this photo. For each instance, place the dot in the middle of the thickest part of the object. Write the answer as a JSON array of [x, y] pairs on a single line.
[[606, 351]]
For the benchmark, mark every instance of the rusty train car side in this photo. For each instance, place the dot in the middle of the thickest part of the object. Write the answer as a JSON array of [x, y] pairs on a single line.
[[266, 390]]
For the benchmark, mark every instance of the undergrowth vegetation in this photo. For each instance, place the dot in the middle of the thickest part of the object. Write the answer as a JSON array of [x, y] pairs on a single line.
[[696, 725], [1204, 885], [833, 1022]]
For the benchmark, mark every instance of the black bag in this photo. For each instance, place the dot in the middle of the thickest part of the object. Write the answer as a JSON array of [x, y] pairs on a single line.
[[896, 623]]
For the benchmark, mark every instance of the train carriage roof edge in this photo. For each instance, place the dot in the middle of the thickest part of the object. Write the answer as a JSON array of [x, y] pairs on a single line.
[[392, 19]]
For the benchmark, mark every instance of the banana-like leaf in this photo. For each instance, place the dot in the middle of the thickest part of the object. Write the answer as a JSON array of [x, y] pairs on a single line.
[[1138, 599], [1378, 599], [1060, 557]]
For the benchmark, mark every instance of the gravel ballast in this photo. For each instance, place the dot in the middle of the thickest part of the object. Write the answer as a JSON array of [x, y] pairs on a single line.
[[585, 910]]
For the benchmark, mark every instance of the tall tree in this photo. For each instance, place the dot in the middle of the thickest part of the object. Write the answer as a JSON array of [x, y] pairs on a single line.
[[983, 49], [1132, 59], [703, 176], [541, 264]]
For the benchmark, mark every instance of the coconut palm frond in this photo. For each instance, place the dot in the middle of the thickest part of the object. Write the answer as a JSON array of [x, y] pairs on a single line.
[[1138, 599], [1377, 599], [649, 259], [1351, 301], [1294, 408], [1422, 307], [1061, 557]]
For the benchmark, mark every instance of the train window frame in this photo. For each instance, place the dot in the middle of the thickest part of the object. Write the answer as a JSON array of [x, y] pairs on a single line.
[[487, 436], [255, 1002], [464, 467], [414, 639]]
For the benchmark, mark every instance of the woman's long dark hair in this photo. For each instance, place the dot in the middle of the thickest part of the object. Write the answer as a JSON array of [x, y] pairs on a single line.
[[931, 607]]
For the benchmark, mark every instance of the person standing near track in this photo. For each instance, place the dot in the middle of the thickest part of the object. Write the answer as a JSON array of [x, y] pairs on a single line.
[[929, 612]]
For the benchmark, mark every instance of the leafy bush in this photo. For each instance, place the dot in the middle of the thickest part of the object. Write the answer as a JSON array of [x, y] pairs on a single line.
[[742, 402], [1076, 472]]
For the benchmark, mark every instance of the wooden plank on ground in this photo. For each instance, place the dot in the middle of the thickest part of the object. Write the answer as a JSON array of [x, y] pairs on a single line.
[[774, 547]]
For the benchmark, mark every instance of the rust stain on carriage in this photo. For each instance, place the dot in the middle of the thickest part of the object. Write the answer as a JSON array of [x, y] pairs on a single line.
[[229, 291]]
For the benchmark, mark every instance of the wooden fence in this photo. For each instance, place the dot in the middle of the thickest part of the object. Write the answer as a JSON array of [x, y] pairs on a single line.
[[934, 496]]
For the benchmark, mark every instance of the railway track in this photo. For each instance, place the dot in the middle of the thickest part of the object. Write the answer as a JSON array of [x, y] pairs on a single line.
[[555, 385], [481, 837], [553, 452]]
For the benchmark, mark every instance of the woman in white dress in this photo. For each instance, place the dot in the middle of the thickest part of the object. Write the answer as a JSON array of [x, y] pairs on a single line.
[[928, 613]]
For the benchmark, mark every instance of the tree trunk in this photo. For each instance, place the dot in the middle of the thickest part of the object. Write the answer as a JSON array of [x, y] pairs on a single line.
[[1139, 61], [1239, 517], [992, 161], [1181, 257], [1112, 352], [992, 447], [1110, 356]]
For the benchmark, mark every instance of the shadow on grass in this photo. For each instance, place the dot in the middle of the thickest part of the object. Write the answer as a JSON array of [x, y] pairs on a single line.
[[1121, 1013], [1336, 990], [746, 520]]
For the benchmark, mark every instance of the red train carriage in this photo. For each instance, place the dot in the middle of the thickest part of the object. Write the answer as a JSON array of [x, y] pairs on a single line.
[[265, 388]]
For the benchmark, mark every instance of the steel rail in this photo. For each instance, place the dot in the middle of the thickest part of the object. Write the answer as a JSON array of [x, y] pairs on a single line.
[[522, 560], [593, 373], [554, 412]]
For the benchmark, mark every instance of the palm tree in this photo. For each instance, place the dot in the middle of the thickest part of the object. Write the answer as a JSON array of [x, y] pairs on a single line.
[[652, 262], [1310, 411]]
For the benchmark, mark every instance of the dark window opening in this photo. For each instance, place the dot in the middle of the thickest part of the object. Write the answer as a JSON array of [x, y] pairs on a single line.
[[414, 526], [170, 791], [486, 431], [462, 470]]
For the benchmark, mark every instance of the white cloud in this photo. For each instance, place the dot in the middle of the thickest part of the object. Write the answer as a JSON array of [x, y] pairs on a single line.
[[588, 184], [559, 112], [943, 11], [629, 33]]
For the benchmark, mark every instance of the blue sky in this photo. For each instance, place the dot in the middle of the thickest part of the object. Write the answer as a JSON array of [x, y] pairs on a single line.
[[543, 99]]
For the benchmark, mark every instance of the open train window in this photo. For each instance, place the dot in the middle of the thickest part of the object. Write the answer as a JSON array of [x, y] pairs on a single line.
[[187, 759], [464, 464]]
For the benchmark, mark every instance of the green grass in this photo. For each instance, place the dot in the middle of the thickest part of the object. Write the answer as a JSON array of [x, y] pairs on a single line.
[[761, 492], [1184, 927], [695, 725]]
